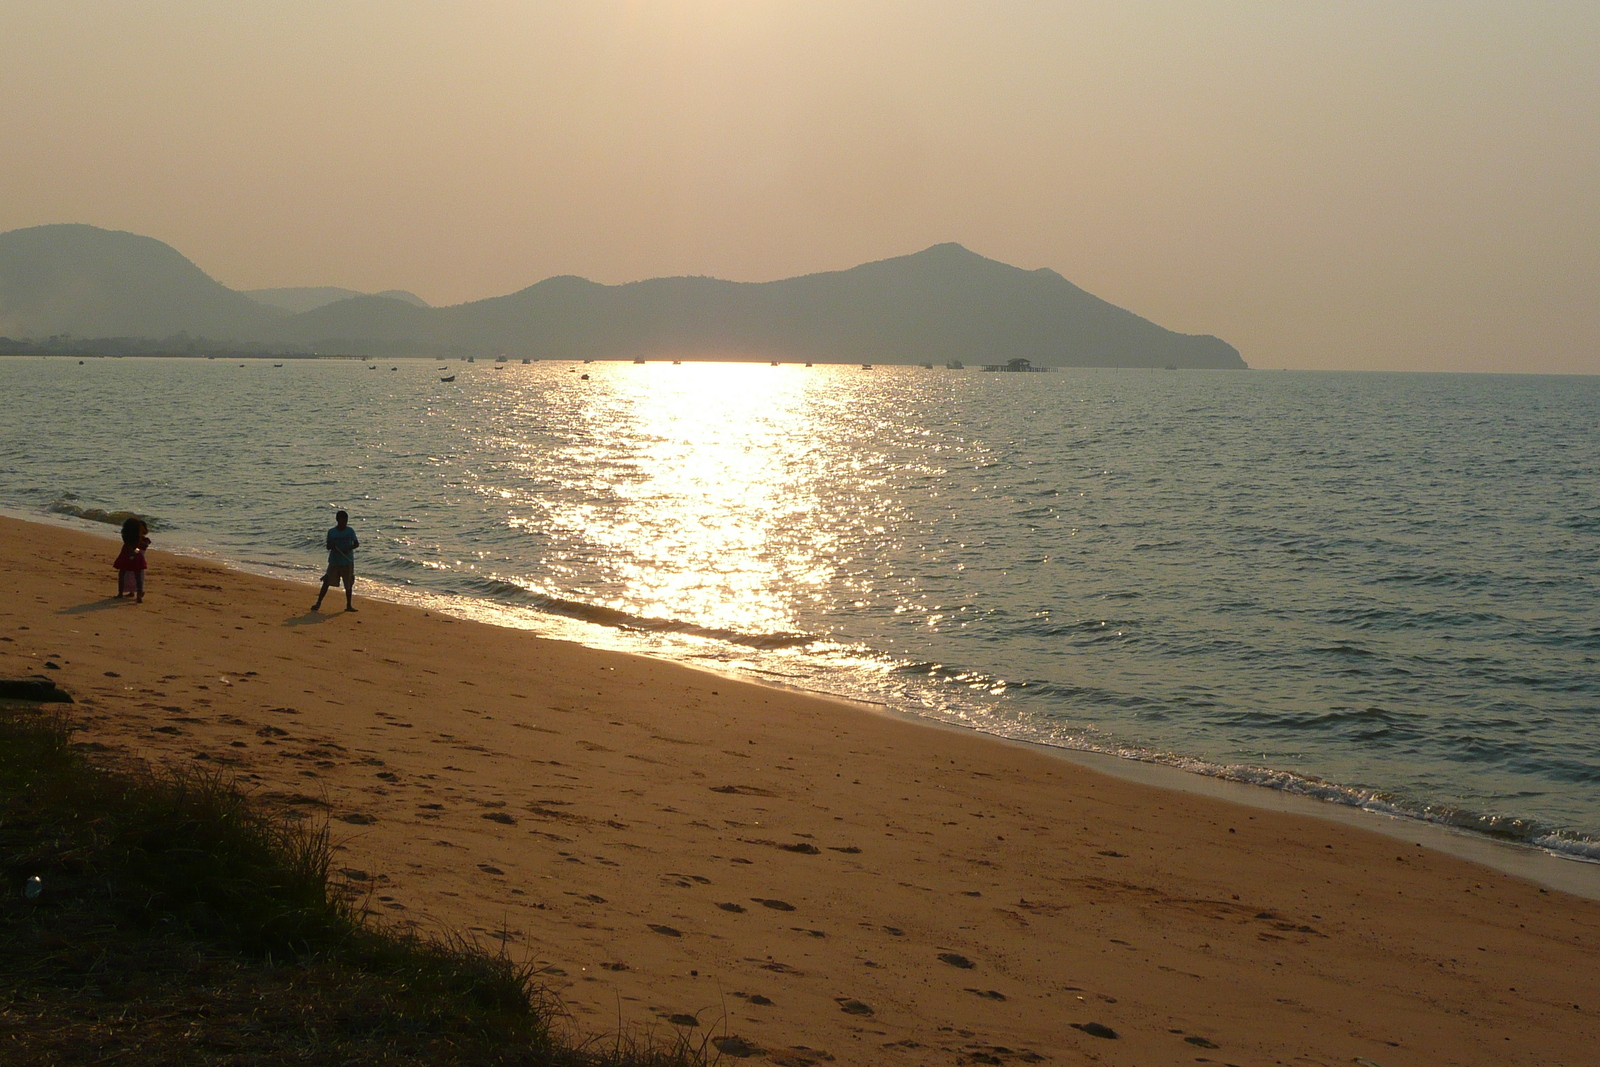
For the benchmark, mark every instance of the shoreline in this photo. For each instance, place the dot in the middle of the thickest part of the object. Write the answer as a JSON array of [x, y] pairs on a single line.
[[1566, 871], [823, 881]]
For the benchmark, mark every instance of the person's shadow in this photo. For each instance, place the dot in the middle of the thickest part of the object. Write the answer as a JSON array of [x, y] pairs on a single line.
[[310, 618], [95, 605]]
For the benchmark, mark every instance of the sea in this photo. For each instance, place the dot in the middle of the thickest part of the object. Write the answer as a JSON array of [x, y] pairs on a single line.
[[1378, 590]]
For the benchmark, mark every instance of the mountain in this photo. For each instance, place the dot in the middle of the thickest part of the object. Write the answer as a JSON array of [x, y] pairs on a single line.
[[299, 299], [941, 304], [81, 280]]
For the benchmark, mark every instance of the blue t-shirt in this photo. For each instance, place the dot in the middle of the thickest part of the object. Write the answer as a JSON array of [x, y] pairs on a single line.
[[342, 547]]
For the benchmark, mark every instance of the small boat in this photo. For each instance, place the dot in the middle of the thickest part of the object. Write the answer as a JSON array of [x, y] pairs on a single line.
[[677, 363], [866, 366], [808, 364], [638, 363], [583, 377], [277, 364], [448, 378], [927, 366], [500, 359], [499, 368], [472, 359], [955, 364], [526, 362], [373, 366], [394, 368], [774, 363]]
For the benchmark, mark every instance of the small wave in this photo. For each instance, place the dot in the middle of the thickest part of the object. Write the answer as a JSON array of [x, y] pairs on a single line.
[[958, 676], [1502, 827], [112, 518], [503, 590], [1336, 717]]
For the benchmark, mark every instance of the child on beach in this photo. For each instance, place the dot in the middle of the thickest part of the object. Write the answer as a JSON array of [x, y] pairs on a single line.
[[130, 562]]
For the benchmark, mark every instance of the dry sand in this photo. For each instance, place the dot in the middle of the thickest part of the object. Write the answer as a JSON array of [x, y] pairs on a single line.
[[820, 881]]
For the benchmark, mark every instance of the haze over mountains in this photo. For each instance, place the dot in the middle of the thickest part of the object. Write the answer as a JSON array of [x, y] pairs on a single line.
[[944, 303], [302, 298]]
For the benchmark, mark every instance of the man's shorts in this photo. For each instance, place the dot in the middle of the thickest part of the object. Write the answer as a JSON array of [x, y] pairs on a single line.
[[340, 572]]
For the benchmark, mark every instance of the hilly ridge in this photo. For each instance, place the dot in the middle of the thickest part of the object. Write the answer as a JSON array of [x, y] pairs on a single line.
[[82, 280], [944, 303]]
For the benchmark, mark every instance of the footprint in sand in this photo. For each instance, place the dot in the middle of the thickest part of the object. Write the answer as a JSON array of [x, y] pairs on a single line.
[[666, 930], [852, 1007], [995, 994], [500, 817], [736, 1046], [955, 959], [683, 1020], [775, 905], [487, 868], [730, 906]]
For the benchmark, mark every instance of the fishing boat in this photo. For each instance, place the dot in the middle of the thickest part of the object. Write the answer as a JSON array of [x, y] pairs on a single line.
[[448, 378], [955, 364]]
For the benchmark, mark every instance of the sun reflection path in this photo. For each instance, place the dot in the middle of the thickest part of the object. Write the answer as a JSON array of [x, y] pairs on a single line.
[[710, 475]]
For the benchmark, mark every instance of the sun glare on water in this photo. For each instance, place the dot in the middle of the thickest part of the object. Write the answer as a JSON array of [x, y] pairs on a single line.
[[709, 476]]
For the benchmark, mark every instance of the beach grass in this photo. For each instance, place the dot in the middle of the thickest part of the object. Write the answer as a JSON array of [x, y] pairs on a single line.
[[155, 916]]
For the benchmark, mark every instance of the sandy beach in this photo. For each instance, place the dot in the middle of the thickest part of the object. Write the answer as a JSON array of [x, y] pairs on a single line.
[[821, 882]]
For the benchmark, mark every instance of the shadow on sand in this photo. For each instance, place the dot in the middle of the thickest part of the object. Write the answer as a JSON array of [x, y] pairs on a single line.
[[310, 618], [94, 605]]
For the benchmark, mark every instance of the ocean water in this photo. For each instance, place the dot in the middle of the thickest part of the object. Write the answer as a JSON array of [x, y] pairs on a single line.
[[1376, 589]]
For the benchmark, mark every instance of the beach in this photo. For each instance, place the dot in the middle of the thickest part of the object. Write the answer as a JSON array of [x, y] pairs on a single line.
[[818, 880]]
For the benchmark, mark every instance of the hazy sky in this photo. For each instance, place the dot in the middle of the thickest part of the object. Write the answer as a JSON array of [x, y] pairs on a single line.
[[1396, 185]]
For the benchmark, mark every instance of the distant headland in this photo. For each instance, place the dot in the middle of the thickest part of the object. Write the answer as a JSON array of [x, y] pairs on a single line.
[[126, 293]]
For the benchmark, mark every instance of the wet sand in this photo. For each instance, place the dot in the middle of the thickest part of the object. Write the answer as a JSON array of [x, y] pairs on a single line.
[[810, 878]]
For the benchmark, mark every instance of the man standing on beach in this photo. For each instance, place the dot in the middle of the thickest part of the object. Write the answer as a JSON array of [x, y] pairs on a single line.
[[342, 545]]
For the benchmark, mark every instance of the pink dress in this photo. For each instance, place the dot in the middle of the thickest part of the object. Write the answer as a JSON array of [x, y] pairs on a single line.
[[131, 558], [130, 564]]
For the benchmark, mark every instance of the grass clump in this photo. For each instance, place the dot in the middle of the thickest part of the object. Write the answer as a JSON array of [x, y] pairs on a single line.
[[173, 922]]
